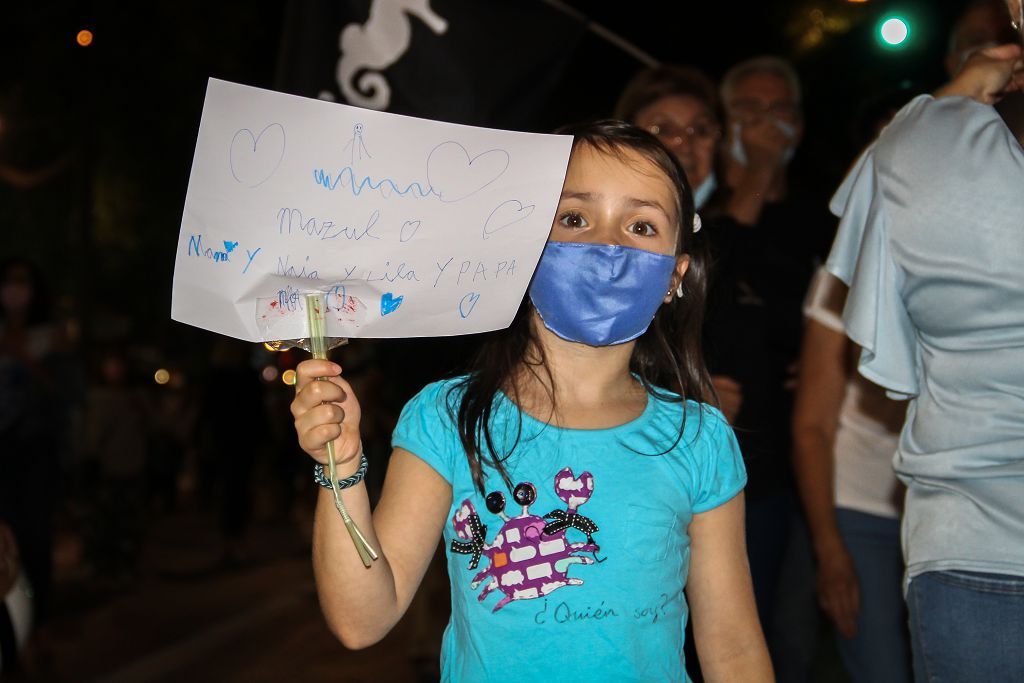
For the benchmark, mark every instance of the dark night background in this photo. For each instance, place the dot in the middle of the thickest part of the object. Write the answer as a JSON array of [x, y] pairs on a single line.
[[96, 144]]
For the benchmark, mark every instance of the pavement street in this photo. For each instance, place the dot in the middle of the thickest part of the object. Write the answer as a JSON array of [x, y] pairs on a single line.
[[189, 616]]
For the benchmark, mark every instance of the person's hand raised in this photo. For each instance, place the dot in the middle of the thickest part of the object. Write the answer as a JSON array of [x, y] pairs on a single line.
[[326, 410], [988, 74]]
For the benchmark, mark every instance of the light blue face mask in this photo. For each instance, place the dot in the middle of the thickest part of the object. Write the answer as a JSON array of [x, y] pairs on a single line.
[[702, 193], [599, 294], [739, 154]]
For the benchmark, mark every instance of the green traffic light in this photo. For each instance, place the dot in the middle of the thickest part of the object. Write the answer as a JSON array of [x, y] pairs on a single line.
[[894, 31]]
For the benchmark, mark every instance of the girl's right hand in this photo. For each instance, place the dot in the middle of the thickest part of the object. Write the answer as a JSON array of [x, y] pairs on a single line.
[[325, 409]]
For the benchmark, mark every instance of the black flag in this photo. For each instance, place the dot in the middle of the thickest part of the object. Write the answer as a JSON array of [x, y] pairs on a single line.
[[493, 63]]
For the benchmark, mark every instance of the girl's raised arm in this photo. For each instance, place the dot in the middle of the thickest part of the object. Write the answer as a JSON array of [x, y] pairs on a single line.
[[361, 605], [728, 637]]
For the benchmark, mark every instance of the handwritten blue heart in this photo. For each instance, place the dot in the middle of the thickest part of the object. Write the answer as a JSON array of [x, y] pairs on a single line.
[[389, 303], [468, 303], [230, 246]]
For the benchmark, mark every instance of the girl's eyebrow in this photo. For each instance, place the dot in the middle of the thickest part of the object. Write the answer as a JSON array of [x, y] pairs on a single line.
[[581, 196], [632, 202]]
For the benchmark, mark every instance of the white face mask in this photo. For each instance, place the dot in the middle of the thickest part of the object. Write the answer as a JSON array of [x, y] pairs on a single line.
[[703, 192], [739, 154]]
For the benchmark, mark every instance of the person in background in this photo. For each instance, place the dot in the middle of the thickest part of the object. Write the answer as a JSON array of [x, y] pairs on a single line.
[[233, 426], [33, 421], [117, 424], [757, 210], [679, 105], [766, 235], [845, 431], [931, 246], [173, 411]]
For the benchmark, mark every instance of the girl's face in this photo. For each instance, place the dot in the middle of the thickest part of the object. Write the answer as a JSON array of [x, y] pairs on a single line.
[[687, 126], [603, 295], [621, 198]]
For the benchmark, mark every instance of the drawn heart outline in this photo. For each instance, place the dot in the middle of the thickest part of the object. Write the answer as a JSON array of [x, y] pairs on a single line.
[[251, 164], [389, 303], [467, 304], [409, 230], [505, 214], [453, 175]]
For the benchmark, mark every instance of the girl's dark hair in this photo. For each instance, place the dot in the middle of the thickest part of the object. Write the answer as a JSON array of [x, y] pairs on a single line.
[[667, 355]]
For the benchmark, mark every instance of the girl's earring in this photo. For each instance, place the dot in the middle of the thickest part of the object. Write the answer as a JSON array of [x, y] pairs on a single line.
[[679, 290]]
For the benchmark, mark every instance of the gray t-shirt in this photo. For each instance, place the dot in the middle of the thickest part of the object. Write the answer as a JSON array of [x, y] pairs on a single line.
[[932, 244]]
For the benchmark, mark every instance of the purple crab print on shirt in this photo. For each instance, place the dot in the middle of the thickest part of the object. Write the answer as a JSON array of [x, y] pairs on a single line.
[[529, 557]]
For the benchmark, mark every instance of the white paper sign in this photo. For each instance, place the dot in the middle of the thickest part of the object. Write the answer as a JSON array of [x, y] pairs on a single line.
[[411, 227]]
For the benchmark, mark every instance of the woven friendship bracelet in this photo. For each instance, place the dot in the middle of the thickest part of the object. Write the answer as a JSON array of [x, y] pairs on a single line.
[[321, 477]]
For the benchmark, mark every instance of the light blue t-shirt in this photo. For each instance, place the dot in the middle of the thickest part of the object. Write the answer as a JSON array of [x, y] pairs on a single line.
[[931, 243], [541, 603]]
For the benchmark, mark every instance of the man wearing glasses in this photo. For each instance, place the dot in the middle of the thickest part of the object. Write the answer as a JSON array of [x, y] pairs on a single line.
[[766, 234]]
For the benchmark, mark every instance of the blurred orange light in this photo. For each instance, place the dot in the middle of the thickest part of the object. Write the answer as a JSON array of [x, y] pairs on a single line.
[[84, 37], [288, 377], [162, 376]]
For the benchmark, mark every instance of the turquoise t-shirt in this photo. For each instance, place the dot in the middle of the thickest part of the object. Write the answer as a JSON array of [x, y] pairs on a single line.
[[586, 582]]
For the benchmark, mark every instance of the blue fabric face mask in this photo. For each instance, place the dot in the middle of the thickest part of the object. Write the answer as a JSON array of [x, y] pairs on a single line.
[[599, 294]]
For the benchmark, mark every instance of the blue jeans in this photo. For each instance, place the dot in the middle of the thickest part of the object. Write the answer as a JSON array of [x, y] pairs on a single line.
[[880, 652], [966, 627]]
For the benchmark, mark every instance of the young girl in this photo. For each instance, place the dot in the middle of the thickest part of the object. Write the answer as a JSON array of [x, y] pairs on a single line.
[[577, 498]]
